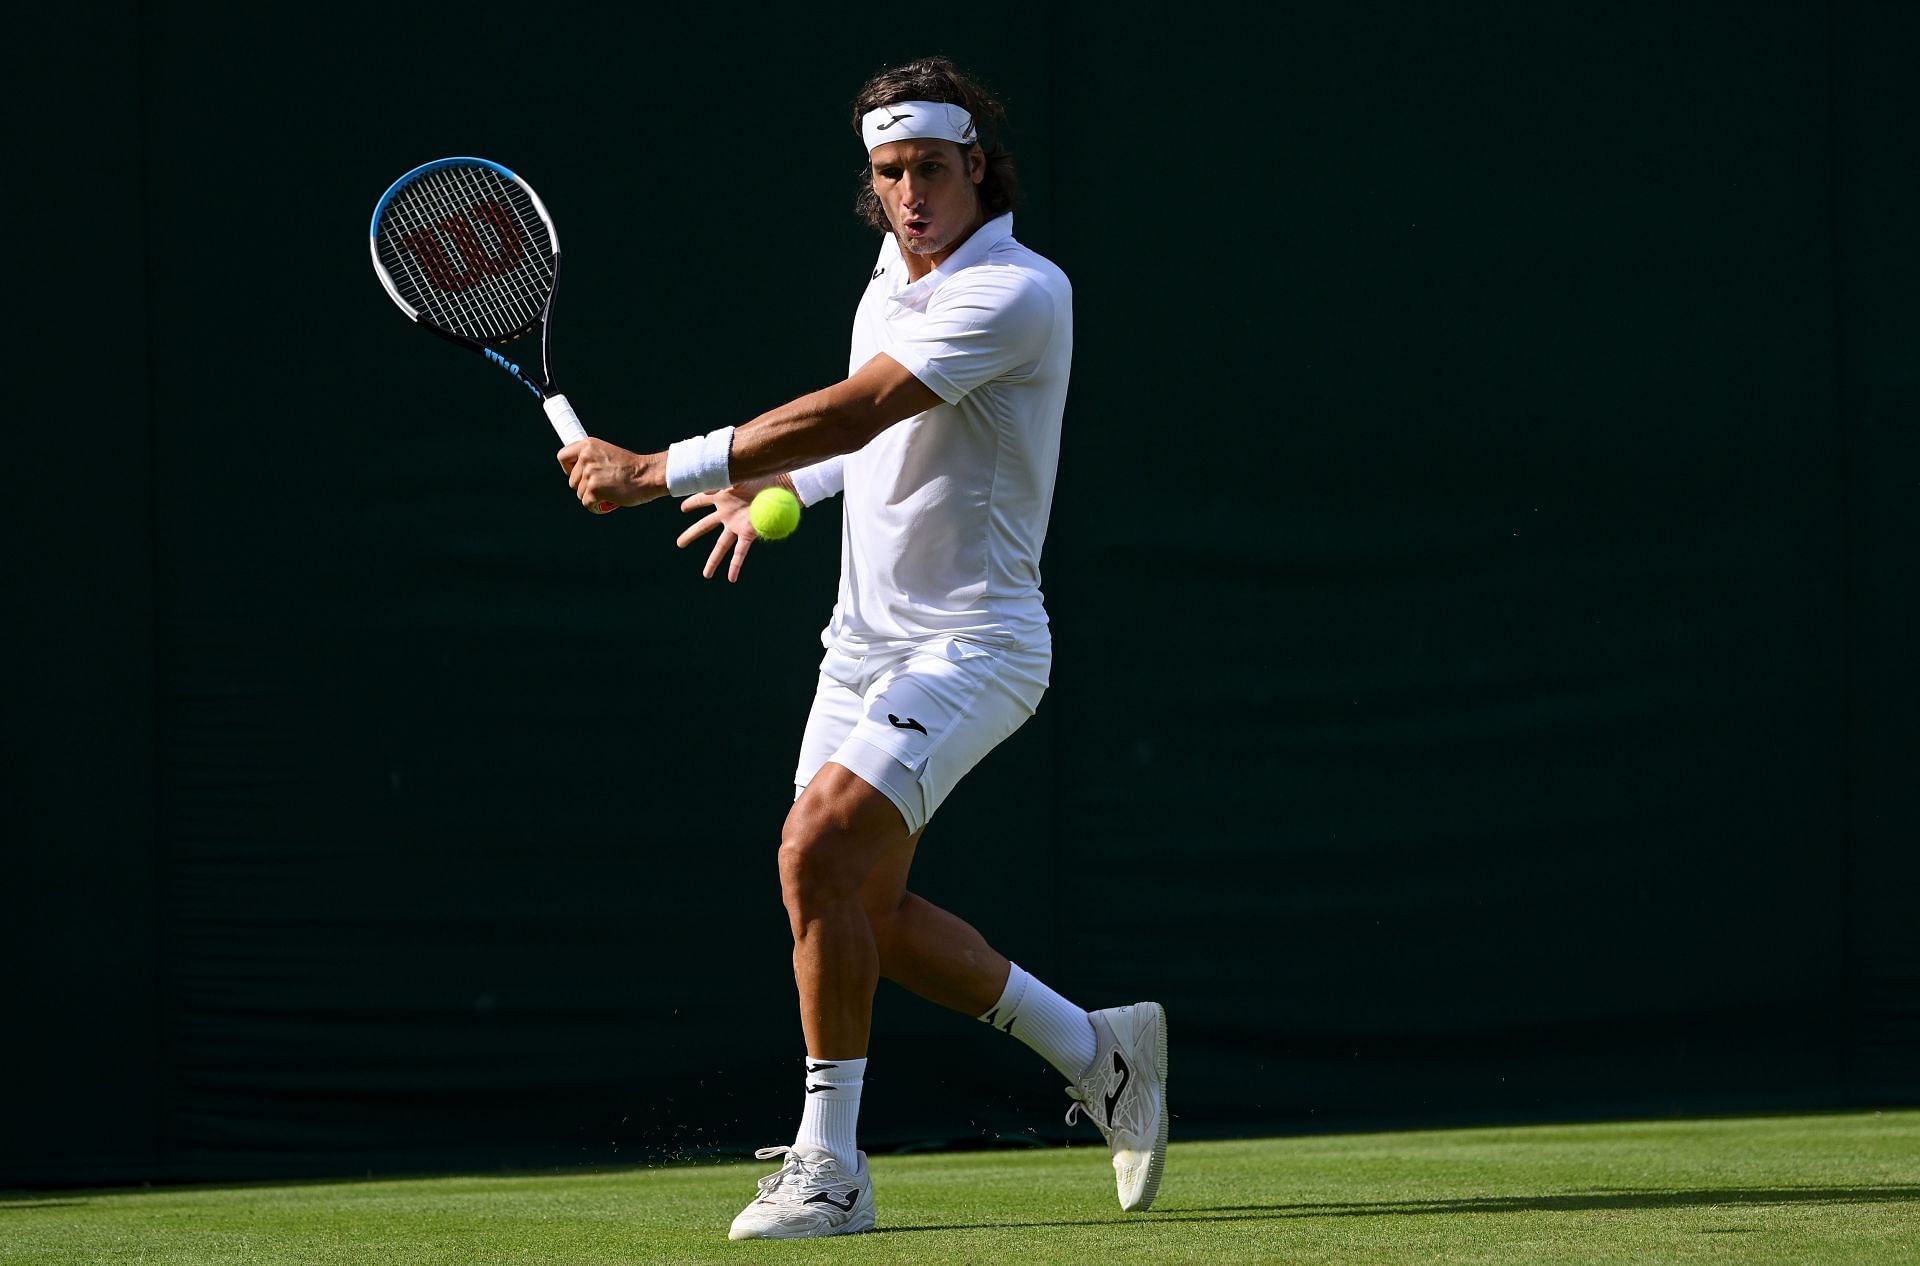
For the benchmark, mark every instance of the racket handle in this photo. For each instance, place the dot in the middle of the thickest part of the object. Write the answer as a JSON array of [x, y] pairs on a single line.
[[566, 423]]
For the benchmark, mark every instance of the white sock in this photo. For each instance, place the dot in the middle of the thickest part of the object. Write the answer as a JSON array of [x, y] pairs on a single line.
[[833, 1107], [1041, 1018]]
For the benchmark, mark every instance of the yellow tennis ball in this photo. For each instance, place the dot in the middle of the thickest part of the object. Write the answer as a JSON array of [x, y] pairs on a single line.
[[775, 512]]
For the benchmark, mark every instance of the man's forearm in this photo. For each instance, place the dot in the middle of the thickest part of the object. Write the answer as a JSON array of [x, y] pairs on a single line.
[[828, 423], [799, 433], [819, 425]]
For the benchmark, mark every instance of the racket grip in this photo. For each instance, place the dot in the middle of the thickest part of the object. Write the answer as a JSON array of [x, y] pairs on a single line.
[[566, 423]]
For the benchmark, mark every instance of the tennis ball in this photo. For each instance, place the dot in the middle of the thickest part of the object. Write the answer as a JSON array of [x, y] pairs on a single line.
[[775, 512]]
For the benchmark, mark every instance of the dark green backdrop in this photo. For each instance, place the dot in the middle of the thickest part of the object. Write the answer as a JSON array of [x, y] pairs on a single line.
[[1481, 575]]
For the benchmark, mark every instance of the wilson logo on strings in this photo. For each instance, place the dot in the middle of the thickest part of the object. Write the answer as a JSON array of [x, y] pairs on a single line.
[[428, 249]]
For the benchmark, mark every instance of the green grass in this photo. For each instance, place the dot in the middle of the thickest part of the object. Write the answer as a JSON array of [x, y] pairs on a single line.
[[1825, 1189]]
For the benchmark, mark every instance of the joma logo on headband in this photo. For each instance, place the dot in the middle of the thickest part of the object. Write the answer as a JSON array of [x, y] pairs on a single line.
[[927, 119]]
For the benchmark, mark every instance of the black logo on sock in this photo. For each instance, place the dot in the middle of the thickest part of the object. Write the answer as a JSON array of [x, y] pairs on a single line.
[[814, 1068], [826, 1197], [908, 724], [1126, 1075], [814, 1090]]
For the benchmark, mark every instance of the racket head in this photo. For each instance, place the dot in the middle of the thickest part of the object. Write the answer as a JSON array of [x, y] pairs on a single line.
[[465, 247]]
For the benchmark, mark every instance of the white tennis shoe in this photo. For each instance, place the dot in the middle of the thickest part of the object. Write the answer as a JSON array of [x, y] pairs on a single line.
[[1125, 1094], [812, 1195]]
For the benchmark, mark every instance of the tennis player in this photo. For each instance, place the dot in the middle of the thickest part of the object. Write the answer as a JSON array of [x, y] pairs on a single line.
[[944, 440]]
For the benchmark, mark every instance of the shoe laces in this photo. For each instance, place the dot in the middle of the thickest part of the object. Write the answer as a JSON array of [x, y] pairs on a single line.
[[1084, 1100], [796, 1166]]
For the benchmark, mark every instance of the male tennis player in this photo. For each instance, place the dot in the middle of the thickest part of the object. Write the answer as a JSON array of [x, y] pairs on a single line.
[[944, 440]]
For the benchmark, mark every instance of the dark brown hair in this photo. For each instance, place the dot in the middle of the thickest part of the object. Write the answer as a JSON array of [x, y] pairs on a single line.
[[937, 79]]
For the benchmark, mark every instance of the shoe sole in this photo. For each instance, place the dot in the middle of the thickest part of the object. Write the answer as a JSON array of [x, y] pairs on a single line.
[[855, 1227], [1157, 1161]]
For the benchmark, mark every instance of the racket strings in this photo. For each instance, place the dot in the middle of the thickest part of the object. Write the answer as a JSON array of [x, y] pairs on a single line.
[[469, 250], [444, 201], [456, 196], [504, 207], [489, 297]]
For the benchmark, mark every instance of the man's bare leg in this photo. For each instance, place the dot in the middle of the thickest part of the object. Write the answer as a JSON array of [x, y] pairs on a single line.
[[944, 959], [1113, 1060], [839, 831], [836, 832], [927, 950], [850, 928], [844, 859]]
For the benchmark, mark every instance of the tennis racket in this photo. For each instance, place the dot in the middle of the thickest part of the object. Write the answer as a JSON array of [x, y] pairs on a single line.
[[468, 250]]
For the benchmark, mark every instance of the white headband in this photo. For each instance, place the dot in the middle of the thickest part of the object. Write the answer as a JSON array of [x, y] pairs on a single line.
[[915, 120]]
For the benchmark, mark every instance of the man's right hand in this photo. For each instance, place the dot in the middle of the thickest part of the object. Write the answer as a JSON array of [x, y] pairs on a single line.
[[727, 510]]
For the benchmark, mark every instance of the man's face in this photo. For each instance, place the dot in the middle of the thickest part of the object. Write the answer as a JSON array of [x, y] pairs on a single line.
[[928, 190]]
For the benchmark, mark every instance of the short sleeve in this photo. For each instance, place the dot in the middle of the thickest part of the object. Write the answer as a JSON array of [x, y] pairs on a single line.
[[984, 324]]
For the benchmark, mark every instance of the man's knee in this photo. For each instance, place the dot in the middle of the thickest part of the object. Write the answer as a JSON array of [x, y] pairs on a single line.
[[807, 873], [820, 855], [838, 844]]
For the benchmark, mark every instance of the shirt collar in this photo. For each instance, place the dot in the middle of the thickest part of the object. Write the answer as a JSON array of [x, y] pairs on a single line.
[[972, 251]]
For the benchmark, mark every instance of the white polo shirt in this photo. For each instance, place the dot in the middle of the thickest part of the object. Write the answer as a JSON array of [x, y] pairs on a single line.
[[946, 511]]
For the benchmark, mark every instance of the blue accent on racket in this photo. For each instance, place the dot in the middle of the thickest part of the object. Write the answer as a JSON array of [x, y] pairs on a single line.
[[511, 368], [373, 229]]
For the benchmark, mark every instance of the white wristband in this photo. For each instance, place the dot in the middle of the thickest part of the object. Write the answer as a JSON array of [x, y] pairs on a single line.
[[700, 464], [814, 484]]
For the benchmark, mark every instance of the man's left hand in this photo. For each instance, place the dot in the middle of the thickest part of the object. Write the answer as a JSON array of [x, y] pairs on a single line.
[[605, 475]]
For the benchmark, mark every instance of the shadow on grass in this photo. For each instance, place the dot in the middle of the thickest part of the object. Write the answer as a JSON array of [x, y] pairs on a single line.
[[1572, 1202], [6, 1204]]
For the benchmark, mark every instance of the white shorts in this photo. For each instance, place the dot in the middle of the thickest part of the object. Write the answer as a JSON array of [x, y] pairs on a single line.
[[913, 722]]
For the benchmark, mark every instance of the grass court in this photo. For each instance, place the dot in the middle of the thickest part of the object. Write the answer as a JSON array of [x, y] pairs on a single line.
[[1829, 1189]]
